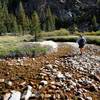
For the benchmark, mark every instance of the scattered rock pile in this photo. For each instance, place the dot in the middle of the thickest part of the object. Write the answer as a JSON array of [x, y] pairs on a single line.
[[69, 77]]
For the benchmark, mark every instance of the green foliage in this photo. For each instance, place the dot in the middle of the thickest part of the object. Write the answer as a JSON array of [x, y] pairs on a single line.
[[2, 22], [61, 32], [26, 50], [35, 26], [22, 52], [93, 40], [79, 18], [14, 24], [8, 22], [73, 29], [97, 33], [13, 46], [11, 24], [98, 2], [16, 20], [7, 19], [94, 22], [22, 20], [50, 20]]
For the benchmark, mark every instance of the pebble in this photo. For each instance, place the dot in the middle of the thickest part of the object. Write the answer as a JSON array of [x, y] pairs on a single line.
[[6, 96], [40, 87], [43, 82], [2, 80], [47, 95], [78, 93], [49, 66], [53, 87], [69, 76], [88, 98], [53, 82], [8, 83], [73, 83], [80, 98], [93, 88], [60, 75], [23, 83], [79, 74]]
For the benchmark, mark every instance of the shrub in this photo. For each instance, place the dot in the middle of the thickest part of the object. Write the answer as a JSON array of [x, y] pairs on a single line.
[[60, 32], [27, 50], [97, 33], [22, 50]]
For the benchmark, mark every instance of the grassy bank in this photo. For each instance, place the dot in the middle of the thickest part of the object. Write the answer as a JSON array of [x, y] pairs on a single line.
[[63, 35], [65, 32], [90, 39], [13, 46]]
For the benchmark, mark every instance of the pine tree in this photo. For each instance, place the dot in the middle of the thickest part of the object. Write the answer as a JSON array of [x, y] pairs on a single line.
[[20, 30], [94, 22], [53, 26], [98, 2], [2, 26], [27, 23], [7, 19], [22, 19], [50, 21], [14, 24], [35, 25]]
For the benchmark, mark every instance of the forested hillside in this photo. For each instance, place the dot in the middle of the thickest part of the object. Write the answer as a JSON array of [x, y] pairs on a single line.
[[32, 16]]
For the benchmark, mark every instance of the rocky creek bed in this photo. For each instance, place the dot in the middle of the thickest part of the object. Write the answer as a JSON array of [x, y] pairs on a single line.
[[64, 75]]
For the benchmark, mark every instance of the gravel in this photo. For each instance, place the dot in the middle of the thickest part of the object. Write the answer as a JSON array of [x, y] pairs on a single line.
[[70, 76]]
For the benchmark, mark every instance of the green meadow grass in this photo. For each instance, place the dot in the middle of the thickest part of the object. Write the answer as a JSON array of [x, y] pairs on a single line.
[[20, 45], [14, 46]]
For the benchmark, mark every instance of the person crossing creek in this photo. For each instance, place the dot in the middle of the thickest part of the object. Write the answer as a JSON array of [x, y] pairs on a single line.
[[81, 42]]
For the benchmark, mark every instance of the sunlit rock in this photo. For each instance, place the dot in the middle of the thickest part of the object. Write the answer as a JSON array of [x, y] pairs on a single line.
[[27, 93], [15, 95]]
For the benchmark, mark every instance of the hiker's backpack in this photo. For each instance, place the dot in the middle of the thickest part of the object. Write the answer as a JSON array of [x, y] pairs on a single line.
[[81, 41]]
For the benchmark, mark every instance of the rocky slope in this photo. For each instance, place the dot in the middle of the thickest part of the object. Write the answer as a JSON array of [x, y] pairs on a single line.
[[63, 75]]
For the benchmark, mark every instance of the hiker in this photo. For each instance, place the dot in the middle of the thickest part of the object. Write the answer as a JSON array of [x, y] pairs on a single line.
[[81, 42]]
